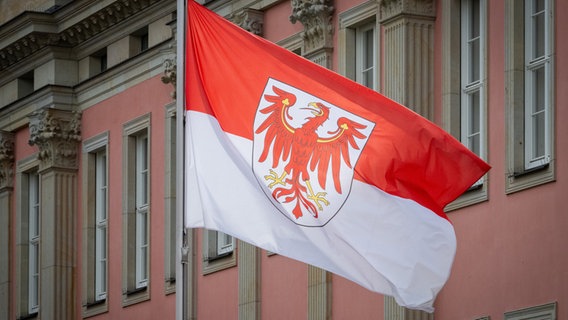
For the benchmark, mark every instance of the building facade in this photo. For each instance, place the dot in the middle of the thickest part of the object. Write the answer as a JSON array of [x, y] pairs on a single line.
[[89, 173]]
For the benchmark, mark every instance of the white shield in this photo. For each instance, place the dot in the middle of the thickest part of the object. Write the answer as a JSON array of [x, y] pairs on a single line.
[[293, 196]]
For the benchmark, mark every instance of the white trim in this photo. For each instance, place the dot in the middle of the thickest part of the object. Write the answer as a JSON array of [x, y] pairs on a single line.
[[34, 226], [142, 234], [362, 44], [101, 227], [533, 65]]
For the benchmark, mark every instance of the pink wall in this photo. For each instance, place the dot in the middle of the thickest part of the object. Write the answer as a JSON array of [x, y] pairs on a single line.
[[511, 253], [284, 294], [110, 115]]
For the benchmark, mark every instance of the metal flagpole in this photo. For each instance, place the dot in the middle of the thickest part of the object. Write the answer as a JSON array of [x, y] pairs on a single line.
[[181, 246]]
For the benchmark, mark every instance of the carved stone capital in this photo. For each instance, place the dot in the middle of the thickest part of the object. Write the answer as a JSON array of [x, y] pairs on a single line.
[[391, 9], [170, 67], [249, 19], [6, 160], [315, 16], [57, 134]]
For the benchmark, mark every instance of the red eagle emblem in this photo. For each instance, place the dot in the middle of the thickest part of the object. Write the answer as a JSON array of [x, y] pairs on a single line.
[[299, 150]]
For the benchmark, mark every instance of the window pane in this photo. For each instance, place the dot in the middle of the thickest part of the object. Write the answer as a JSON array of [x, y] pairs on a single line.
[[474, 19], [538, 135], [539, 84], [474, 60], [538, 34], [474, 123], [369, 39]]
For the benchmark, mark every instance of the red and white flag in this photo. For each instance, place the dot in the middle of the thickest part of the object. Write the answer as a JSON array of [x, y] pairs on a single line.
[[296, 159]]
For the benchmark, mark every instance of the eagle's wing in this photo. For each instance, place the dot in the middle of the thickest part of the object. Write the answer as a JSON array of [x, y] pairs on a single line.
[[335, 149], [278, 129]]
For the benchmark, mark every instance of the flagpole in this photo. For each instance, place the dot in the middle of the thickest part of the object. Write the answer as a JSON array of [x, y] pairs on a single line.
[[181, 258]]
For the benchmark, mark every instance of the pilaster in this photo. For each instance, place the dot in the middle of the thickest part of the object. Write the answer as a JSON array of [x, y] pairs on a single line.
[[319, 294], [316, 17], [395, 312], [409, 79], [409, 53], [6, 185], [57, 133], [249, 281]]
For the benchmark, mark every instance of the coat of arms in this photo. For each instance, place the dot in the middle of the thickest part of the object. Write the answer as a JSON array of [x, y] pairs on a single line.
[[305, 151]]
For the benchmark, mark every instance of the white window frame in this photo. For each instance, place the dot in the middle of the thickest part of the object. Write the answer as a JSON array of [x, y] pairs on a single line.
[[472, 86], [136, 198], [361, 49], [142, 196], [533, 64], [351, 23], [225, 243], [456, 87], [542, 312], [101, 225], [34, 226]]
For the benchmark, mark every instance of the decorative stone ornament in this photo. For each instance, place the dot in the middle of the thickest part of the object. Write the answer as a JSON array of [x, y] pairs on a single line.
[[249, 19], [170, 74], [6, 160], [57, 133], [316, 17]]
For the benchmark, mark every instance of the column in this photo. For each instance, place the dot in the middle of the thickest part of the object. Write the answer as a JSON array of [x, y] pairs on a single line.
[[57, 135], [6, 189], [409, 79], [409, 53]]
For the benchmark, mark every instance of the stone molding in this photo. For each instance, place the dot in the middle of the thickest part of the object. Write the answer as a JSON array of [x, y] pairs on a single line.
[[249, 19], [57, 133], [391, 9], [6, 160], [315, 16], [73, 35]]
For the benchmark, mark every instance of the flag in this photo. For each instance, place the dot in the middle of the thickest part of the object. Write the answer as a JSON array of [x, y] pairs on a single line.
[[296, 159]]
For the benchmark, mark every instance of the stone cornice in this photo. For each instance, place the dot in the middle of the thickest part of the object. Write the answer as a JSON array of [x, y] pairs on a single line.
[[34, 34], [57, 133], [6, 160]]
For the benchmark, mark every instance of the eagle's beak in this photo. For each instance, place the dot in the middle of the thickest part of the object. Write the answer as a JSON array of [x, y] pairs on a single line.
[[316, 110]]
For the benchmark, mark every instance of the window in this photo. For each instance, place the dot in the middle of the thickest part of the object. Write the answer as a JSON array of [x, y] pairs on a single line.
[[101, 225], [366, 55], [537, 83], [529, 93], [472, 78], [137, 215], [358, 44], [464, 83], [142, 210], [218, 251], [34, 234], [543, 312], [28, 241], [141, 39], [95, 225]]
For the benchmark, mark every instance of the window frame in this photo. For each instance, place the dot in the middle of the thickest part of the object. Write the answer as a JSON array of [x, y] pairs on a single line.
[[136, 288], [455, 93], [532, 64], [34, 223], [214, 259], [95, 299], [350, 21], [361, 47], [541, 311], [520, 176], [25, 167]]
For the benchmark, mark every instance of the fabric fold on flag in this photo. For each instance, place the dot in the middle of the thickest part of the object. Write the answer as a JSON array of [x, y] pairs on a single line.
[[296, 159]]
